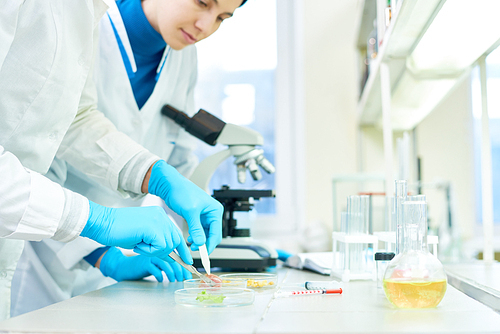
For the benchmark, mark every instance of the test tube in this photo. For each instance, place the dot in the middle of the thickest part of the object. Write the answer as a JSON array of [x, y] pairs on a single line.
[[364, 216], [364, 213], [343, 228], [352, 223], [400, 196], [343, 222], [353, 209]]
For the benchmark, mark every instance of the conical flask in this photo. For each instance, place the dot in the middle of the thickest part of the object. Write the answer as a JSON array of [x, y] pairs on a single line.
[[415, 278]]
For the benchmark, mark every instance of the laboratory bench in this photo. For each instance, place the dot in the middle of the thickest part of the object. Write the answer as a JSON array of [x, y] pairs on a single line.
[[149, 307], [477, 279]]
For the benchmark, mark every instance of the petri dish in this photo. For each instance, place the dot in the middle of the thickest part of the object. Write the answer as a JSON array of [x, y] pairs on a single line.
[[226, 283], [255, 280], [214, 297]]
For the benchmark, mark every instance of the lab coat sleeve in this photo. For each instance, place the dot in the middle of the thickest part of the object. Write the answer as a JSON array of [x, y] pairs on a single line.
[[33, 208], [98, 149], [8, 22], [183, 157]]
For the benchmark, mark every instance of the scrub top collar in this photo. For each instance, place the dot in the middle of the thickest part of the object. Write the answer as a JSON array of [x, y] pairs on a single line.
[[145, 40]]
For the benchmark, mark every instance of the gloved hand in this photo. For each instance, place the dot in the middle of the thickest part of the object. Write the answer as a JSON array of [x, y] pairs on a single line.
[[202, 212], [147, 230], [128, 268]]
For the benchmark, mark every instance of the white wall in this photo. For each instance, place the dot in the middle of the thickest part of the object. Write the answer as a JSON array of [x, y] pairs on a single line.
[[445, 143], [331, 88], [330, 81]]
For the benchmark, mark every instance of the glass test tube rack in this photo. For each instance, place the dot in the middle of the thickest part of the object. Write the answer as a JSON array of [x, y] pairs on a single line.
[[352, 256], [352, 259]]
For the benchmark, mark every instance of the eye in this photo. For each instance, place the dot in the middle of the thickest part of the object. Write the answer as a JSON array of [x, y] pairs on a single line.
[[220, 18], [202, 3]]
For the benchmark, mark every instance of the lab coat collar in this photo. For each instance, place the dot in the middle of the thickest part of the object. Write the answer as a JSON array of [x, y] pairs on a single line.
[[117, 22], [100, 7]]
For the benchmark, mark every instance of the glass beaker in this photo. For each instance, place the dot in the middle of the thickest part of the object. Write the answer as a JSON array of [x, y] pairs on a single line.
[[415, 278]]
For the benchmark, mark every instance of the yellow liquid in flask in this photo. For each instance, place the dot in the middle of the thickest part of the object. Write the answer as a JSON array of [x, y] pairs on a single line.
[[414, 294]]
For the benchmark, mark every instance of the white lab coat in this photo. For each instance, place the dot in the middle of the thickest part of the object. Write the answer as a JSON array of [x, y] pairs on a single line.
[[60, 271], [48, 105]]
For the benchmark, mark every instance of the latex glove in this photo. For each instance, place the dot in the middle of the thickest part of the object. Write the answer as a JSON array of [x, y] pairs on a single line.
[[202, 212], [128, 268], [147, 230]]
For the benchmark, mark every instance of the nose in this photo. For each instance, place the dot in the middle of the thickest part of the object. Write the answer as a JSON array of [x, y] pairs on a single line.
[[206, 24]]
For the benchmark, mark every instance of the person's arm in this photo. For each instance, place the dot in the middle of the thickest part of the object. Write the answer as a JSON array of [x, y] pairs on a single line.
[[31, 206], [94, 145], [28, 197], [8, 22]]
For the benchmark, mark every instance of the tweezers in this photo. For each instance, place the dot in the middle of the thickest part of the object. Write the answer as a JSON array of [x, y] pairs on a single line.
[[174, 256]]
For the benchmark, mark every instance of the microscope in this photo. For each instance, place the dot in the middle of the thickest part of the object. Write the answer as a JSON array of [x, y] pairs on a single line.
[[237, 250]]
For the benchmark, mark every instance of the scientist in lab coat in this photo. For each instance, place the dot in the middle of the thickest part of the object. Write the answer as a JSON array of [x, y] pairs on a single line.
[[48, 107], [140, 67]]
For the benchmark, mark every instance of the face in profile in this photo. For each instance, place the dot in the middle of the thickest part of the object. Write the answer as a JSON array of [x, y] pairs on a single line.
[[185, 22]]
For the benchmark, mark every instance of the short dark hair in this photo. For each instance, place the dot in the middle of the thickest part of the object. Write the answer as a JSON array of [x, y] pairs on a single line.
[[243, 2]]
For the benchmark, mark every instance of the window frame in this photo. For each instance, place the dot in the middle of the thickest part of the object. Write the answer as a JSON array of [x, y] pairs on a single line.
[[289, 127]]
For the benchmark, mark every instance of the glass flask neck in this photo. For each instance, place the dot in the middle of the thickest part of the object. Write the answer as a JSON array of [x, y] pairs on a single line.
[[414, 226]]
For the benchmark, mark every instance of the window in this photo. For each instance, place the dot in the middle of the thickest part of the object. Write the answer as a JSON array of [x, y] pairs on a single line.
[[493, 87], [236, 84], [245, 68]]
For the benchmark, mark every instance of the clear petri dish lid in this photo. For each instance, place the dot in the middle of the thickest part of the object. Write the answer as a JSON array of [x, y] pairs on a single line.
[[255, 280], [226, 283], [214, 297]]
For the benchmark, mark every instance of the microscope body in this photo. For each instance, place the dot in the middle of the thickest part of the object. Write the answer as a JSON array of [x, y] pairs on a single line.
[[237, 250]]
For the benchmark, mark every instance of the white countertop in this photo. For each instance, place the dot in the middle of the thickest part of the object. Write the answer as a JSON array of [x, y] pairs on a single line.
[[477, 279], [149, 307]]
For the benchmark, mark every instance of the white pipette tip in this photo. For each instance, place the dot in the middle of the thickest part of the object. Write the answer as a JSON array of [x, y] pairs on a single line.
[[205, 261]]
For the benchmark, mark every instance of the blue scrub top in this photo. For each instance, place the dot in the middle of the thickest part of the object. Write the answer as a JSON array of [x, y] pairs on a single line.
[[147, 46]]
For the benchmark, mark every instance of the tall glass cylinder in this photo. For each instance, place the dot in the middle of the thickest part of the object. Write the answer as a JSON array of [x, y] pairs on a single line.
[[390, 214], [415, 225], [401, 187]]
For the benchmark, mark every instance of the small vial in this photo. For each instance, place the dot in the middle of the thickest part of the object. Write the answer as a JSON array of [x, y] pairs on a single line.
[[382, 260]]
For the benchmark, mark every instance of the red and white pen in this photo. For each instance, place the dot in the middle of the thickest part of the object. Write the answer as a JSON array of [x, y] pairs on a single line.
[[307, 292]]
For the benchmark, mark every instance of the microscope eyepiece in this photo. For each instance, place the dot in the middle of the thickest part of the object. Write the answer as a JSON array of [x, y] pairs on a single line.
[[203, 125]]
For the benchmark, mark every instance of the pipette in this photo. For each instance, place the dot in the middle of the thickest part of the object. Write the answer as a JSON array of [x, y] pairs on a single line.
[[205, 260], [307, 292]]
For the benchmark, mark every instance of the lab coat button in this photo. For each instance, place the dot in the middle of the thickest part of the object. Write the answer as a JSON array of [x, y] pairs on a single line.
[[3, 274], [137, 121], [53, 135], [81, 60]]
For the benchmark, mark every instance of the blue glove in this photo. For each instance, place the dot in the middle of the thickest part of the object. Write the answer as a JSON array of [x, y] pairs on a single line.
[[129, 268], [202, 212], [283, 255], [147, 230]]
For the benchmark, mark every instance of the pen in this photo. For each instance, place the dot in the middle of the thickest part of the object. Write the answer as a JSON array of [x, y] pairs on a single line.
[[307, 292]]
